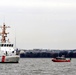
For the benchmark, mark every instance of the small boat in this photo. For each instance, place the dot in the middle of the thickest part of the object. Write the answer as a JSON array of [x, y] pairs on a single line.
[[61, 59]]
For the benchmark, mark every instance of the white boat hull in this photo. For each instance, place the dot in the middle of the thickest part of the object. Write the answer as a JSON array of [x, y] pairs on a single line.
[[9, 59]]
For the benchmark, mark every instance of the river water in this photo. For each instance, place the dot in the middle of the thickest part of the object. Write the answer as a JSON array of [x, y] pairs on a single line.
[[38, 66]]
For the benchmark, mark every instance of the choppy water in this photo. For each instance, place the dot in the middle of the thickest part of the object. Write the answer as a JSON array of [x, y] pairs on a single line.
[[38, 66]]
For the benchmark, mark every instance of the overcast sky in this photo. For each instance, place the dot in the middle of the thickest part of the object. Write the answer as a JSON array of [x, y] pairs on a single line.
[[43, 24]]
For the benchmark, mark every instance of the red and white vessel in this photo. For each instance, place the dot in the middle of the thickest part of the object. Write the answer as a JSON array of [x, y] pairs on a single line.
[[7, 52], [61, 59]]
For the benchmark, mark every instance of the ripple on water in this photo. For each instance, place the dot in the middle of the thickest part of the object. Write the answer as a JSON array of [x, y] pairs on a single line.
[[39, 66]]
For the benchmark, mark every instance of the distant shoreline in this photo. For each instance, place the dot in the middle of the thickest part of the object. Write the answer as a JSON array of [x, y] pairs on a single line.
[[45, 53]]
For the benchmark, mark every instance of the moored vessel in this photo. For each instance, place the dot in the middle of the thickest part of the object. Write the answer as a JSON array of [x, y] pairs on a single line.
[[7, 52]]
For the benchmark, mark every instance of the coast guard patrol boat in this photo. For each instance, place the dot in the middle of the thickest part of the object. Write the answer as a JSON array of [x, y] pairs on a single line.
[[7, 52]]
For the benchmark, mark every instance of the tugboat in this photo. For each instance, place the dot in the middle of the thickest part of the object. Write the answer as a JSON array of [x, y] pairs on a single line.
[[61, 59], [7, 52]]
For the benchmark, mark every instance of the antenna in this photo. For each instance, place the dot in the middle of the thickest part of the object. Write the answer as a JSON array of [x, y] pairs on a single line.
[[15, 38], [4, 20], [4, 33]]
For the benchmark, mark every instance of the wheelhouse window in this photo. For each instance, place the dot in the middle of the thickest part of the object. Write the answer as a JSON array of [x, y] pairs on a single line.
[[6, 45]]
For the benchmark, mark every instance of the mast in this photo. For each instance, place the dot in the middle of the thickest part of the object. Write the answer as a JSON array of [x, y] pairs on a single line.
[[4, 33]]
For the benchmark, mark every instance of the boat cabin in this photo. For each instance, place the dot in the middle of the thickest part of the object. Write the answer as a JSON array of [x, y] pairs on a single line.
[[61, 58]]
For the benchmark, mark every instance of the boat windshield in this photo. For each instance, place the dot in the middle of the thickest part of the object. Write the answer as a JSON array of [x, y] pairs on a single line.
[[6, 45], [62, 58]]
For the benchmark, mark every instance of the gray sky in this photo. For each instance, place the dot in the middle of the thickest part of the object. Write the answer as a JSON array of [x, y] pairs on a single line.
[[49, 24]]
